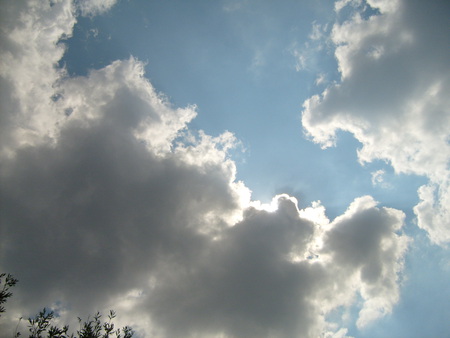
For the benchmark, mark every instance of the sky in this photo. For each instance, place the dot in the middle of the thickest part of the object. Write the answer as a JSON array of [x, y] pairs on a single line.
[[228, 168]]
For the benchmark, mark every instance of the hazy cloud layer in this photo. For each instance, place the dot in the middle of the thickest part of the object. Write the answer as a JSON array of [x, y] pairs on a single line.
[[392, 95], [109, 201]]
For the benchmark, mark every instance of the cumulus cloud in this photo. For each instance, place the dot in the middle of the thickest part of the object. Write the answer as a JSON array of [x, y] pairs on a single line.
[[108, 200], [393, 61], [30, 49], [270, 276]]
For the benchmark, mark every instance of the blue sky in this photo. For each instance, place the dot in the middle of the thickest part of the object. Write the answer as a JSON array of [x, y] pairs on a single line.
[[237, 64], [170, 126]]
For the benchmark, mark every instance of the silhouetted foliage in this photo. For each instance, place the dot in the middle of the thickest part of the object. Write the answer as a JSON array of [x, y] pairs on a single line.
[[41, 325], [10, 281]]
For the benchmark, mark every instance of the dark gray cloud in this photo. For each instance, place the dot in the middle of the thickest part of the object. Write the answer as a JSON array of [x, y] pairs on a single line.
[[245, 283], [118, 205]]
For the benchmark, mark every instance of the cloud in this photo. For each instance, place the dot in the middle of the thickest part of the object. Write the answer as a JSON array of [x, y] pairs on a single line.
[[363, 239], [109, 200], [266, 275], [392, 97], [94, 7], [30, 50], [307, 55], [378, 179]]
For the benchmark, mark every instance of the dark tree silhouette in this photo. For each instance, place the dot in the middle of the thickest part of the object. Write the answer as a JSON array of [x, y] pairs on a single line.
[[10, 281], [41, 325]]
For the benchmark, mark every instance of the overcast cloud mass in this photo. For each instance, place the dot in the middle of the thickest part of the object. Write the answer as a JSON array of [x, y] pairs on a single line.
[[109, 200]]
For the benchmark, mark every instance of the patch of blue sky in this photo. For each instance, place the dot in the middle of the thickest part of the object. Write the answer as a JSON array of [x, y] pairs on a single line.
[[237, 65]]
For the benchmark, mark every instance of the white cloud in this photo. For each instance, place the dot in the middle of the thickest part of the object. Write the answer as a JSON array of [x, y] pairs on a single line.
[[378, 179], [393, 97], [318, 31], [29, 53], [109, 201], [94, 7], [340, 4], [321, 79], [306, 56]]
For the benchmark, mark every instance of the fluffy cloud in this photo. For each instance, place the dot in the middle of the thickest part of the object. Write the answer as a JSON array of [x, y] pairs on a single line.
[[109, 201], [268, 275], [29, 52], [392, 96]]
